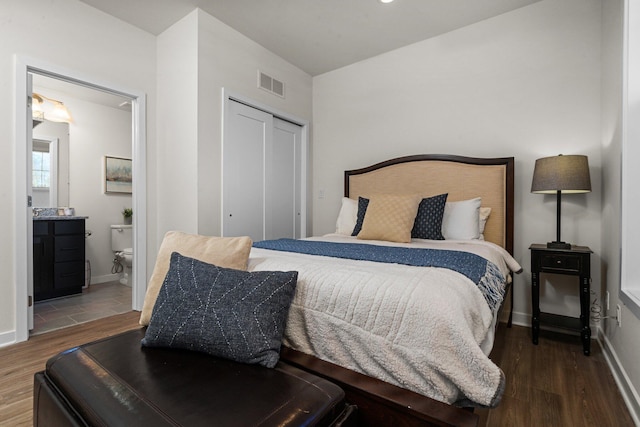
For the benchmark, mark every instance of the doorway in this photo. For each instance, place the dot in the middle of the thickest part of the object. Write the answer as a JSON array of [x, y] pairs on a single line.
[[71, 174], [25, 67]]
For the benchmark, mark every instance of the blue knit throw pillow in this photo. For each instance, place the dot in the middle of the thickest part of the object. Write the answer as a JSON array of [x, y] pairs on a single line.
[[428, 223], [362, 210], [228, 313]]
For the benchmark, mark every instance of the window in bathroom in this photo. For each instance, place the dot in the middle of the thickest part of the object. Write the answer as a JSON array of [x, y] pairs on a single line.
[[41, 168]]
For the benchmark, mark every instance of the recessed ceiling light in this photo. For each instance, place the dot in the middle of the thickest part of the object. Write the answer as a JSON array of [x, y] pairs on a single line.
[[385, 1]]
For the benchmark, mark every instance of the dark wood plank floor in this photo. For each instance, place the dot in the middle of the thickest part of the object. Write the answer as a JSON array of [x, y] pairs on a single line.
[[551, 384], [554, 383]]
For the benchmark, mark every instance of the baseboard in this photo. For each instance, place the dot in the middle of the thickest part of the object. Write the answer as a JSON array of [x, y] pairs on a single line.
[[524, 319], [521, 319], [628, 391], [7, 338], [104, 278]]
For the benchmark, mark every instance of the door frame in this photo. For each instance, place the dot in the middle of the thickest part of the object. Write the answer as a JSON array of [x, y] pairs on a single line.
[[23, 220], [228, 96]]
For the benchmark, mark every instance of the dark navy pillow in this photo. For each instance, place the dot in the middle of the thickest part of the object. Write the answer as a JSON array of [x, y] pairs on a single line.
[[362, 209], [228, 313], [428, 223]]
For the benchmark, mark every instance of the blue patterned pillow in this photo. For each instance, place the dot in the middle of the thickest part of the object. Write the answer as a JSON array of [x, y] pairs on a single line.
[[362, 209], [428, 223], [228, 313]]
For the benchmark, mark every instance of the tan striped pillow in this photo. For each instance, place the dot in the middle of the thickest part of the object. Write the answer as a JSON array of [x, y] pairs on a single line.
[[390, 218]]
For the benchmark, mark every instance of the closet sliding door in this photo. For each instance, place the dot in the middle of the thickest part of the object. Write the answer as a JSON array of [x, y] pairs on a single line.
[[262, 164]]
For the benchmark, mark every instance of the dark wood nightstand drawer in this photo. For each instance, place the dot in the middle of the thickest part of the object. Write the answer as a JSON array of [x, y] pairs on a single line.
[[563, 263]]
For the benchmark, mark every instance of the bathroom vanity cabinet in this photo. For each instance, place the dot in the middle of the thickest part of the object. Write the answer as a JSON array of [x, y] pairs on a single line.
[[58, 257]]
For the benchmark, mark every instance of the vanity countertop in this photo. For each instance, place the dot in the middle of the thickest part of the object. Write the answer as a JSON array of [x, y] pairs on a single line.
[[58, 217]]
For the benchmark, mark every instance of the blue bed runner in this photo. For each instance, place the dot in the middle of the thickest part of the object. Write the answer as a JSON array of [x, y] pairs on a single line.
[[480, 271]]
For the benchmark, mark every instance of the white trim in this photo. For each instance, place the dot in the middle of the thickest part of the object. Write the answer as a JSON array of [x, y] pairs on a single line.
[[139, 200], [106, 278], [7, 338], [228, 95], [521, 319], [21, 236], [23, 66], [629, 268], [629, 393]]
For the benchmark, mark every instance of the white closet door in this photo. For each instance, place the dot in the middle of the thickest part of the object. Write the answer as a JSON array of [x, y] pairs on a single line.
[[262, 175], [283, 180], [248, 132]]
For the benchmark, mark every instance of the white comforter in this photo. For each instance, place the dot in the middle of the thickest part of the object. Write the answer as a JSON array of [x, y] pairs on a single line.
[[420, 328]]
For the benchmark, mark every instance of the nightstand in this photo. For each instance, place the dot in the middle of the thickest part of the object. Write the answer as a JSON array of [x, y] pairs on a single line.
[[574, 262]]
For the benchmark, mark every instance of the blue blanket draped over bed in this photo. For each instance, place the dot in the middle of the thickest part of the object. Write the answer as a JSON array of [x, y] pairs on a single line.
[[480, 271]]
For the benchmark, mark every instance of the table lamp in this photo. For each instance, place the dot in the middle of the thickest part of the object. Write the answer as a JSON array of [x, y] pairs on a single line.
[[561, 175]]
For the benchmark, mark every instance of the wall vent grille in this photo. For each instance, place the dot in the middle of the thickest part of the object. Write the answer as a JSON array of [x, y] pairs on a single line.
[[270, 84]]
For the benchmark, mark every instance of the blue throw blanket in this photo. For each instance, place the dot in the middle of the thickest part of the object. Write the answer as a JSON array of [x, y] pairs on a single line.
[[480, 271]]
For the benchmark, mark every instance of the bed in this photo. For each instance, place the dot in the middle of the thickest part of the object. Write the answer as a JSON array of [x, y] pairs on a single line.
[[365, 326]]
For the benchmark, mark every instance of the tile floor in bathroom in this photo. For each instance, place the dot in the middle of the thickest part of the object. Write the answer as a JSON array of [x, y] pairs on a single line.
[[95, 302]]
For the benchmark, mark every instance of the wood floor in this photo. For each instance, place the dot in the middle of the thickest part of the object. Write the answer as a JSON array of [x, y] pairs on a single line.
[[19, 362], [554, 383], [551, 384]]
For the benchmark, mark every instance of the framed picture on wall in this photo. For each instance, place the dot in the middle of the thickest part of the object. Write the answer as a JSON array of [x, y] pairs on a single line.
[[118, 175]]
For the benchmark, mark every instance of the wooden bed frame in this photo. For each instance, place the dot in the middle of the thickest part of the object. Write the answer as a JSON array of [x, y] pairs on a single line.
[[381, 403]]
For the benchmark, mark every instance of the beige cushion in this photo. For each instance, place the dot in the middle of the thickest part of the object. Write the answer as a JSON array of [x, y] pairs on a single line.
[[228, 252], [390, 218], [484, 216]]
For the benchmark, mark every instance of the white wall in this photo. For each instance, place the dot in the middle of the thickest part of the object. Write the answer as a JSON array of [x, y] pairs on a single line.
[[178, 126], [190, 112], [70, 35], [97, 131], [523, 84], [622, 344]]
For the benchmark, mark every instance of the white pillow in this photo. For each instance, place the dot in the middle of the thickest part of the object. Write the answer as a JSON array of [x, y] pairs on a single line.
[[347, 217], [461, 220]]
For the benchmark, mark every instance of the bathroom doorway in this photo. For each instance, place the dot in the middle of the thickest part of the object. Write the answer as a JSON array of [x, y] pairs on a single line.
[[27, 68], [67, 173]]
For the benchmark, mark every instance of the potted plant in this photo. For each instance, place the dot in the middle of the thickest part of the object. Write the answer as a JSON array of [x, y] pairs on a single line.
[[127, 213]]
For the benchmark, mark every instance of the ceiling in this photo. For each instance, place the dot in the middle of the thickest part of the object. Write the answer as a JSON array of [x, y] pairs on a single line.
[[59, 89], [318, 36]]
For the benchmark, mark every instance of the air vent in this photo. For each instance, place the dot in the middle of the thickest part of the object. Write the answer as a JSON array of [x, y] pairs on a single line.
[[270, 84]]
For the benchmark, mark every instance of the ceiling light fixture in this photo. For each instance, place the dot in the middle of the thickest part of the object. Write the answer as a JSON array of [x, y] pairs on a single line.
[[53, 110], [385, 1]]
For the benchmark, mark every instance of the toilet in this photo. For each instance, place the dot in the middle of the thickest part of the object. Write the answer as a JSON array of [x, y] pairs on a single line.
[[121, 245]]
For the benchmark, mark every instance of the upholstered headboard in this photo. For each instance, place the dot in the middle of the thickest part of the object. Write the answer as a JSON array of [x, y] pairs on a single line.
[[462, 177]]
